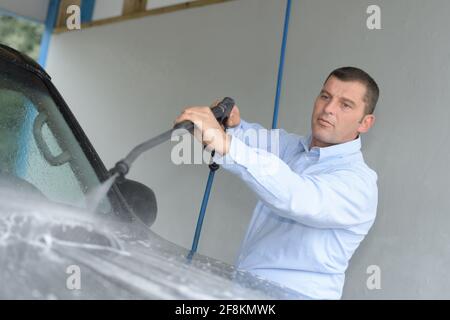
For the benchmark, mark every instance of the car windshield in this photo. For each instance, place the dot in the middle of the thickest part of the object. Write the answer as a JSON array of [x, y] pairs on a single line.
[[37, 146]]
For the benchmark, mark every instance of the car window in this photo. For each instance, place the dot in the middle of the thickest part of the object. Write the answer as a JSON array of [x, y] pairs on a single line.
[[37, 145]]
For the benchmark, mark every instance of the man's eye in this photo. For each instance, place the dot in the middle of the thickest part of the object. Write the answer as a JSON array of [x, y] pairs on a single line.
[[347, 106], [324, 97]]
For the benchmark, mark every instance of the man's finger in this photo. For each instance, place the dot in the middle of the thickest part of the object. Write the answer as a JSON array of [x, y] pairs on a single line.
[[186, 115], [215, 103]]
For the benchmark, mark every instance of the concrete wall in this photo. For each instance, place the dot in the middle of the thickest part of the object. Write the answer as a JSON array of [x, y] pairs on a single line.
[[408, 146], [128, 81]]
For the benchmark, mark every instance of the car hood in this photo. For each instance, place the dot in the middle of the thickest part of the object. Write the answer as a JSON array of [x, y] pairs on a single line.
[[45, 247]]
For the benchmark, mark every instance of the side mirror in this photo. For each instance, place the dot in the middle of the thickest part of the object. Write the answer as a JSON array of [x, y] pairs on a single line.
[[141, 199]]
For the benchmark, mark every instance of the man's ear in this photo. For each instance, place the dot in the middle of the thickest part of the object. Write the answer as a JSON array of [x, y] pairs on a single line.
[[366, 123]]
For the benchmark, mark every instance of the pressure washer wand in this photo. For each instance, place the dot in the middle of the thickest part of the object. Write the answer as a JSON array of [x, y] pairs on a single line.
[[221, 113]]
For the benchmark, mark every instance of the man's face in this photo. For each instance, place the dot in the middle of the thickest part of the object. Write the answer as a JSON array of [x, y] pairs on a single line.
[[338, 114]]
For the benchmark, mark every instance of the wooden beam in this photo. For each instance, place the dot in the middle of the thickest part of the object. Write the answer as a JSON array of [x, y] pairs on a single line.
[[62, 15], [133, 6], [153, 12]]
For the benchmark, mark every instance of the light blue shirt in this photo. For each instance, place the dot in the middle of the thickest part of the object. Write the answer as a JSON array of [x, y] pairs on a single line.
[[315, 207]]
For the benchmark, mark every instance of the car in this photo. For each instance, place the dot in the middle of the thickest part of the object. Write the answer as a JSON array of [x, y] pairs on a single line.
[[54, 244]]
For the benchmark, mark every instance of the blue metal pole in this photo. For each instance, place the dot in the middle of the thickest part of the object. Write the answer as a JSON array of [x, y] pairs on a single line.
[[274, 125], [87, 10], [281, 65], [52, 14], [30, 112]]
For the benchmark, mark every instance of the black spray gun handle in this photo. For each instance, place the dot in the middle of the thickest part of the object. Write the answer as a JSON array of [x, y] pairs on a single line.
[[221, 113]]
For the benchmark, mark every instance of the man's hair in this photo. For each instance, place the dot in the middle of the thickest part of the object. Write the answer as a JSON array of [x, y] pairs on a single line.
[[355, 74]]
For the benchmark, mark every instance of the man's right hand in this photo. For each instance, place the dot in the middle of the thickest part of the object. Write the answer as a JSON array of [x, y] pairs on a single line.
[[235, 116]]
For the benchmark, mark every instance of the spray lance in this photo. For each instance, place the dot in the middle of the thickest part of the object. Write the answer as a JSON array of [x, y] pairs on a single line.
[[221, 112]]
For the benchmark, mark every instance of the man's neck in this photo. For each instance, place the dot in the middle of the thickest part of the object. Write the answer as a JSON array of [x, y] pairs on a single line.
[[321, 144]]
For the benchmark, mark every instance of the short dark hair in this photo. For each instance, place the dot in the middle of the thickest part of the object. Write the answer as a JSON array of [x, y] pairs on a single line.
[[356, 74]]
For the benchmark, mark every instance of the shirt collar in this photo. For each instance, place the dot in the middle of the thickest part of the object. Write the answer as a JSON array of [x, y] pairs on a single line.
[[338, 150]]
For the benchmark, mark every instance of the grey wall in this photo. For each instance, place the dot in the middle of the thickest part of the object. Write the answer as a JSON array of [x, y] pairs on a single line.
[[127, 82], [408, 146]]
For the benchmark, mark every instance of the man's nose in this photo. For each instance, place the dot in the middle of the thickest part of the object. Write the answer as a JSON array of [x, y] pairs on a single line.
[[331, 107]]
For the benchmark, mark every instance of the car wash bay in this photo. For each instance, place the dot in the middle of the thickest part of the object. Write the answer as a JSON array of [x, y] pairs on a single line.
[[126, 79]]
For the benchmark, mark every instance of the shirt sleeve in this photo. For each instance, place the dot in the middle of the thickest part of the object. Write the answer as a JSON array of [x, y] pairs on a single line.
[[340, 199], [275, 141]]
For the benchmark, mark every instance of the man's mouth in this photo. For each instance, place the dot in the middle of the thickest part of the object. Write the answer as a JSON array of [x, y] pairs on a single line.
[[324, 122]]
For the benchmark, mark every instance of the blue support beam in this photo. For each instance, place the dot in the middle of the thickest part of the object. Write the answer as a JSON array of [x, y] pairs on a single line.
[[52, 15], [87, 10], [281, 65]]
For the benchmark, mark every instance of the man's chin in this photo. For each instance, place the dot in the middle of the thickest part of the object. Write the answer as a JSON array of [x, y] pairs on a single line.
[[321, 134], [322, 139]]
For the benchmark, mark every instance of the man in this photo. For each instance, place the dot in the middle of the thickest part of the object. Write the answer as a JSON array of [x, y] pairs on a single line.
[[320, 202]]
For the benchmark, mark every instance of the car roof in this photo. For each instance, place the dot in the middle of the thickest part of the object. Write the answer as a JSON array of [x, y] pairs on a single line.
[[11, 55]]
